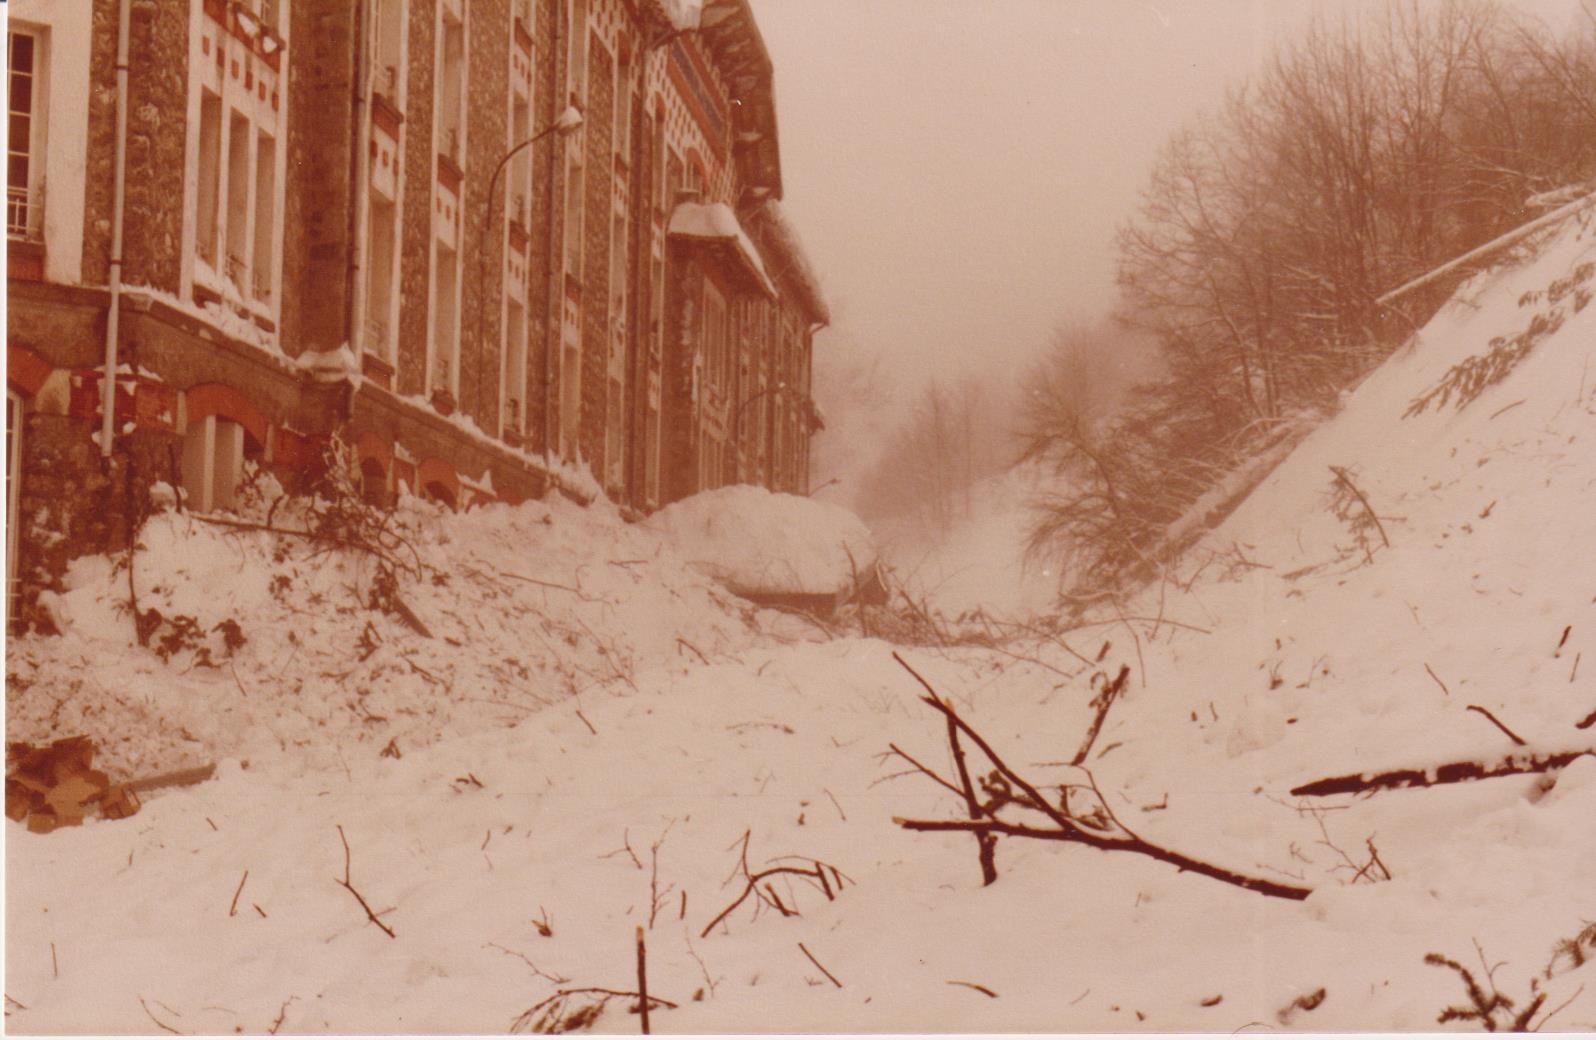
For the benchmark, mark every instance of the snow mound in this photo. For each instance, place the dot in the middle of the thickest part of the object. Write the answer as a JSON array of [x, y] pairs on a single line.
[[761, 543]]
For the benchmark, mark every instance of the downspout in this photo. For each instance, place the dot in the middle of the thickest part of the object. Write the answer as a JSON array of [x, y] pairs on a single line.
[[553, 314], [357, 254], [118, 198]]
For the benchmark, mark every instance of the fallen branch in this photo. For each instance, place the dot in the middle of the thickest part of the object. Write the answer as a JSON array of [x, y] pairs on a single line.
[[370, 915], [822, 967], [163, 1025], [1514, 737], [830, 886], [232, 910], [642, 979], [1451, 773], [1097, 826]]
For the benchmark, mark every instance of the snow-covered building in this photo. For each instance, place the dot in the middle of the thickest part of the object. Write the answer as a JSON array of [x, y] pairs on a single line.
[[494, 245]]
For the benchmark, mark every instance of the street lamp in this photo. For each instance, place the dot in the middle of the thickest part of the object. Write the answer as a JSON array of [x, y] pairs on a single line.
[[567, 123]]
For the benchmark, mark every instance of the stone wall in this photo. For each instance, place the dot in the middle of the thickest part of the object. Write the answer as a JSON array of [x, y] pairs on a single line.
[[415, 219], [600, 172], [157, 121], [482, 256], [317, 201]]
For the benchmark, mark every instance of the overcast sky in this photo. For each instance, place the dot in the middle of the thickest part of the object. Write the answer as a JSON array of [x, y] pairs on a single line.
[[957, 168]]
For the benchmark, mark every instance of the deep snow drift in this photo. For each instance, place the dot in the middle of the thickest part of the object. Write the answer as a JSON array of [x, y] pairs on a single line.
[[514, 850]]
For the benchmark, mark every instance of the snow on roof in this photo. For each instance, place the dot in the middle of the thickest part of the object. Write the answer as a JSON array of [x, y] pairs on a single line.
[[796, 261], [684, 14], [760, 542], [716, 221]]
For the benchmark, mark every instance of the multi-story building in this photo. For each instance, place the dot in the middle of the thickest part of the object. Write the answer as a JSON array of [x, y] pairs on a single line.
[[494, 246]]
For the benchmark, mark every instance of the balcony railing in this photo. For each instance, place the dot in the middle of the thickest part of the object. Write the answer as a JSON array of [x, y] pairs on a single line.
[[18, 211]]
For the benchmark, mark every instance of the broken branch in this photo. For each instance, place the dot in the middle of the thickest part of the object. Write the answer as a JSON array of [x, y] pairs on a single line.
[[370, 915]]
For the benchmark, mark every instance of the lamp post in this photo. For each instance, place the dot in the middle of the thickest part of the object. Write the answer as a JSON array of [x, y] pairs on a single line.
[[567, 123]]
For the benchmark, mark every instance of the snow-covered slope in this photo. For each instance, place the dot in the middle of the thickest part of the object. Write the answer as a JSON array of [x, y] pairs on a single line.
[[514, 862]]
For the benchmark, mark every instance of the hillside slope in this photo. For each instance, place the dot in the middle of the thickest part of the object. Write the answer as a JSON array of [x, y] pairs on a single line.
[[515, 861]]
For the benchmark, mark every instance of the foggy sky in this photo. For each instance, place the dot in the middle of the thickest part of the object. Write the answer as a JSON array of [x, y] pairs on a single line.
[[957, 168]]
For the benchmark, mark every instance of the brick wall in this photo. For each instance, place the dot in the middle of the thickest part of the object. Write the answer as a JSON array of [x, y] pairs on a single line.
[[547, 173], [415, 231], [487, 101], [317, 247], [157, 119], [599, 134]]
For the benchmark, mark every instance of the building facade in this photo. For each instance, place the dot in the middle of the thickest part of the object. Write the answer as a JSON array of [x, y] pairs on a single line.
[[494, 246]]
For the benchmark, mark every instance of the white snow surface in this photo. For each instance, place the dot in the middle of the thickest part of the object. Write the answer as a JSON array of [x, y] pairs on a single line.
[[1284, 654], [768, 543]]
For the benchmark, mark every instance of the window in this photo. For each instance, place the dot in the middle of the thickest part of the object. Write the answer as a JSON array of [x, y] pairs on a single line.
[[618, 278], [570, 395], [238, 252], [578, 37], [623, 108], [716, 361], [515, 374], [388, 56], [24, 150], [575, 204], [451, 82], [210, 165], [213, 463], [521, 165], [379, 277], [445, 330], [613, 442], [264, 271]]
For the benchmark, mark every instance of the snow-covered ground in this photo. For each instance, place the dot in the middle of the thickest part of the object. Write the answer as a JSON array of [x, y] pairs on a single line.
[[513, 851]]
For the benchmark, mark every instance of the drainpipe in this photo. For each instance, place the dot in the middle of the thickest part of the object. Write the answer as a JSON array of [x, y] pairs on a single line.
[[554, 313], [118, 195], [357, 254]]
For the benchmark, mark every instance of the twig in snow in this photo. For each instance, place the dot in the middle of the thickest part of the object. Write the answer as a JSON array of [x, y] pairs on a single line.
[[1437, 679], [1514, 737], [656, 898], [558, 980], [1507, 408], [626, 847], [232, 910], [768, 897], [586, 723], [548, 1015], [370, 916], [542, 924], [1537, 1027], [1587, 722], [980, 988], [163, 1025], [822, 967], [1575, 670], [680, 642], [282, 1013], [836, 803], [55, 967], [1103, 702]]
